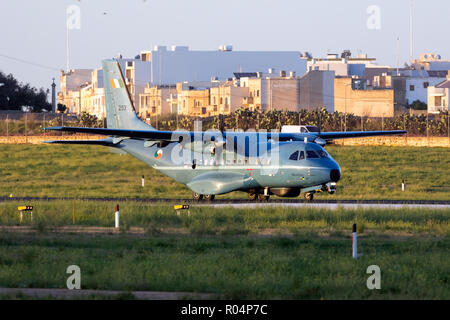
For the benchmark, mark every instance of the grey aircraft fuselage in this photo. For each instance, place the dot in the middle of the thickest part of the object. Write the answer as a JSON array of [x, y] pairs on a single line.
[[272, 169]]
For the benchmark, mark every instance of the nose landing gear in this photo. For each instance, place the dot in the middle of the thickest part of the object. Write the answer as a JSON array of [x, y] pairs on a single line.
[[198, 197]]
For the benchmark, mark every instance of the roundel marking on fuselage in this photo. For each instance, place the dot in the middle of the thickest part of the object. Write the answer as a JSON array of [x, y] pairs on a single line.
[[158, 154]]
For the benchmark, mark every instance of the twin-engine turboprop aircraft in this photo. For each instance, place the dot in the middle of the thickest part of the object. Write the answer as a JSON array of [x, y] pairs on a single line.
[[217, 162]]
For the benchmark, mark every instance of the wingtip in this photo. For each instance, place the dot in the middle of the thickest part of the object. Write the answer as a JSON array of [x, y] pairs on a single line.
[[53, 128]]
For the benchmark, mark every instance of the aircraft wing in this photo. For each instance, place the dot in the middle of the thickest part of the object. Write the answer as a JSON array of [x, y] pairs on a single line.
[[176, 136], [170, 136], [357, 134]]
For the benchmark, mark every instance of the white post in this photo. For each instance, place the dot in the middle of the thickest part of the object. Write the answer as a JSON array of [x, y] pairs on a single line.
[[403, 185], [143, 181], [117, 216], [354, 243]]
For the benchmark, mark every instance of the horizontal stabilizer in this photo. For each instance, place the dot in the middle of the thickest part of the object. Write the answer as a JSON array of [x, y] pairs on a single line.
[[104, 142], [135, 134]]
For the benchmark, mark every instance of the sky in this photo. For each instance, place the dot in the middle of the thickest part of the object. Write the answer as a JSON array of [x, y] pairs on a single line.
[[33, 33]]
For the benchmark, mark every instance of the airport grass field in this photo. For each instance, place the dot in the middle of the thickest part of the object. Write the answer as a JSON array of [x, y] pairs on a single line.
[[252, 253], [271, 253]]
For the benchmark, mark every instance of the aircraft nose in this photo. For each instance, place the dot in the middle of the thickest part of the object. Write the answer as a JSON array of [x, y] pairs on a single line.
[[335, 175]]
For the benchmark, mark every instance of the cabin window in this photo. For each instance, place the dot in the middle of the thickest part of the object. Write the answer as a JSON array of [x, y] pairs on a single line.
[[294, 156], [302, 155]]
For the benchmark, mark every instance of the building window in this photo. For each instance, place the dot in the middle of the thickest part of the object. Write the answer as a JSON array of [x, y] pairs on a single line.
[[426, 84], [257, 93], [411, 87]]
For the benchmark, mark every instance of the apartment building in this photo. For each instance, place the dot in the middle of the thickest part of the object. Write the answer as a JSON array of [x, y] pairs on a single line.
[[438, 96], [155, 101], [352, 95]]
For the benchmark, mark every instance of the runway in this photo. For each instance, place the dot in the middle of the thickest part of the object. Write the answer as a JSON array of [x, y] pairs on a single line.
[[243, 203], [332, 206]]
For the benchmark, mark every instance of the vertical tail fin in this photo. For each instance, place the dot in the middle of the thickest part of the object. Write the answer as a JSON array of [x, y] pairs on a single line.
[[120, 112]]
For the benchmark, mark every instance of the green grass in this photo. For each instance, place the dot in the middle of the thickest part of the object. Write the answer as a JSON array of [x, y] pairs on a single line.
[[230, 267], [88, 171], [228, 221]]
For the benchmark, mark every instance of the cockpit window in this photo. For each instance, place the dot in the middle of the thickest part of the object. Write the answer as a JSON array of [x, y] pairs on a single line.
[[314, 151], [310, 154], [294, 156], [323, 154]]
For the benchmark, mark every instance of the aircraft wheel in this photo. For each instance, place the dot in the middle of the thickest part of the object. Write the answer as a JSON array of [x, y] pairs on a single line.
[[262, 197], [197, 196], [309, 196], [208, 197], [252, 196]]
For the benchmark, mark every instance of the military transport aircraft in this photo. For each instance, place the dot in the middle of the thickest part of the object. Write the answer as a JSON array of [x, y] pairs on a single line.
[[218, 162]]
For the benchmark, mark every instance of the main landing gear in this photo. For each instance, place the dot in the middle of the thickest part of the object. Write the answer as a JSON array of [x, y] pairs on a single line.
[[309, 196], [252, 196], [206, 197]]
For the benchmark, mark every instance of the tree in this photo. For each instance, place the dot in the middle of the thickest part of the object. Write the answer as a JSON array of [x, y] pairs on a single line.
[[418, 105], [61, 107], [88, 120], [15, 95]]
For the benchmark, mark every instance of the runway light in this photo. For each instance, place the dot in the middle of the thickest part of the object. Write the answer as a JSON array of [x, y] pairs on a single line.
[[181, 207], [25, 209], [178, 208]]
